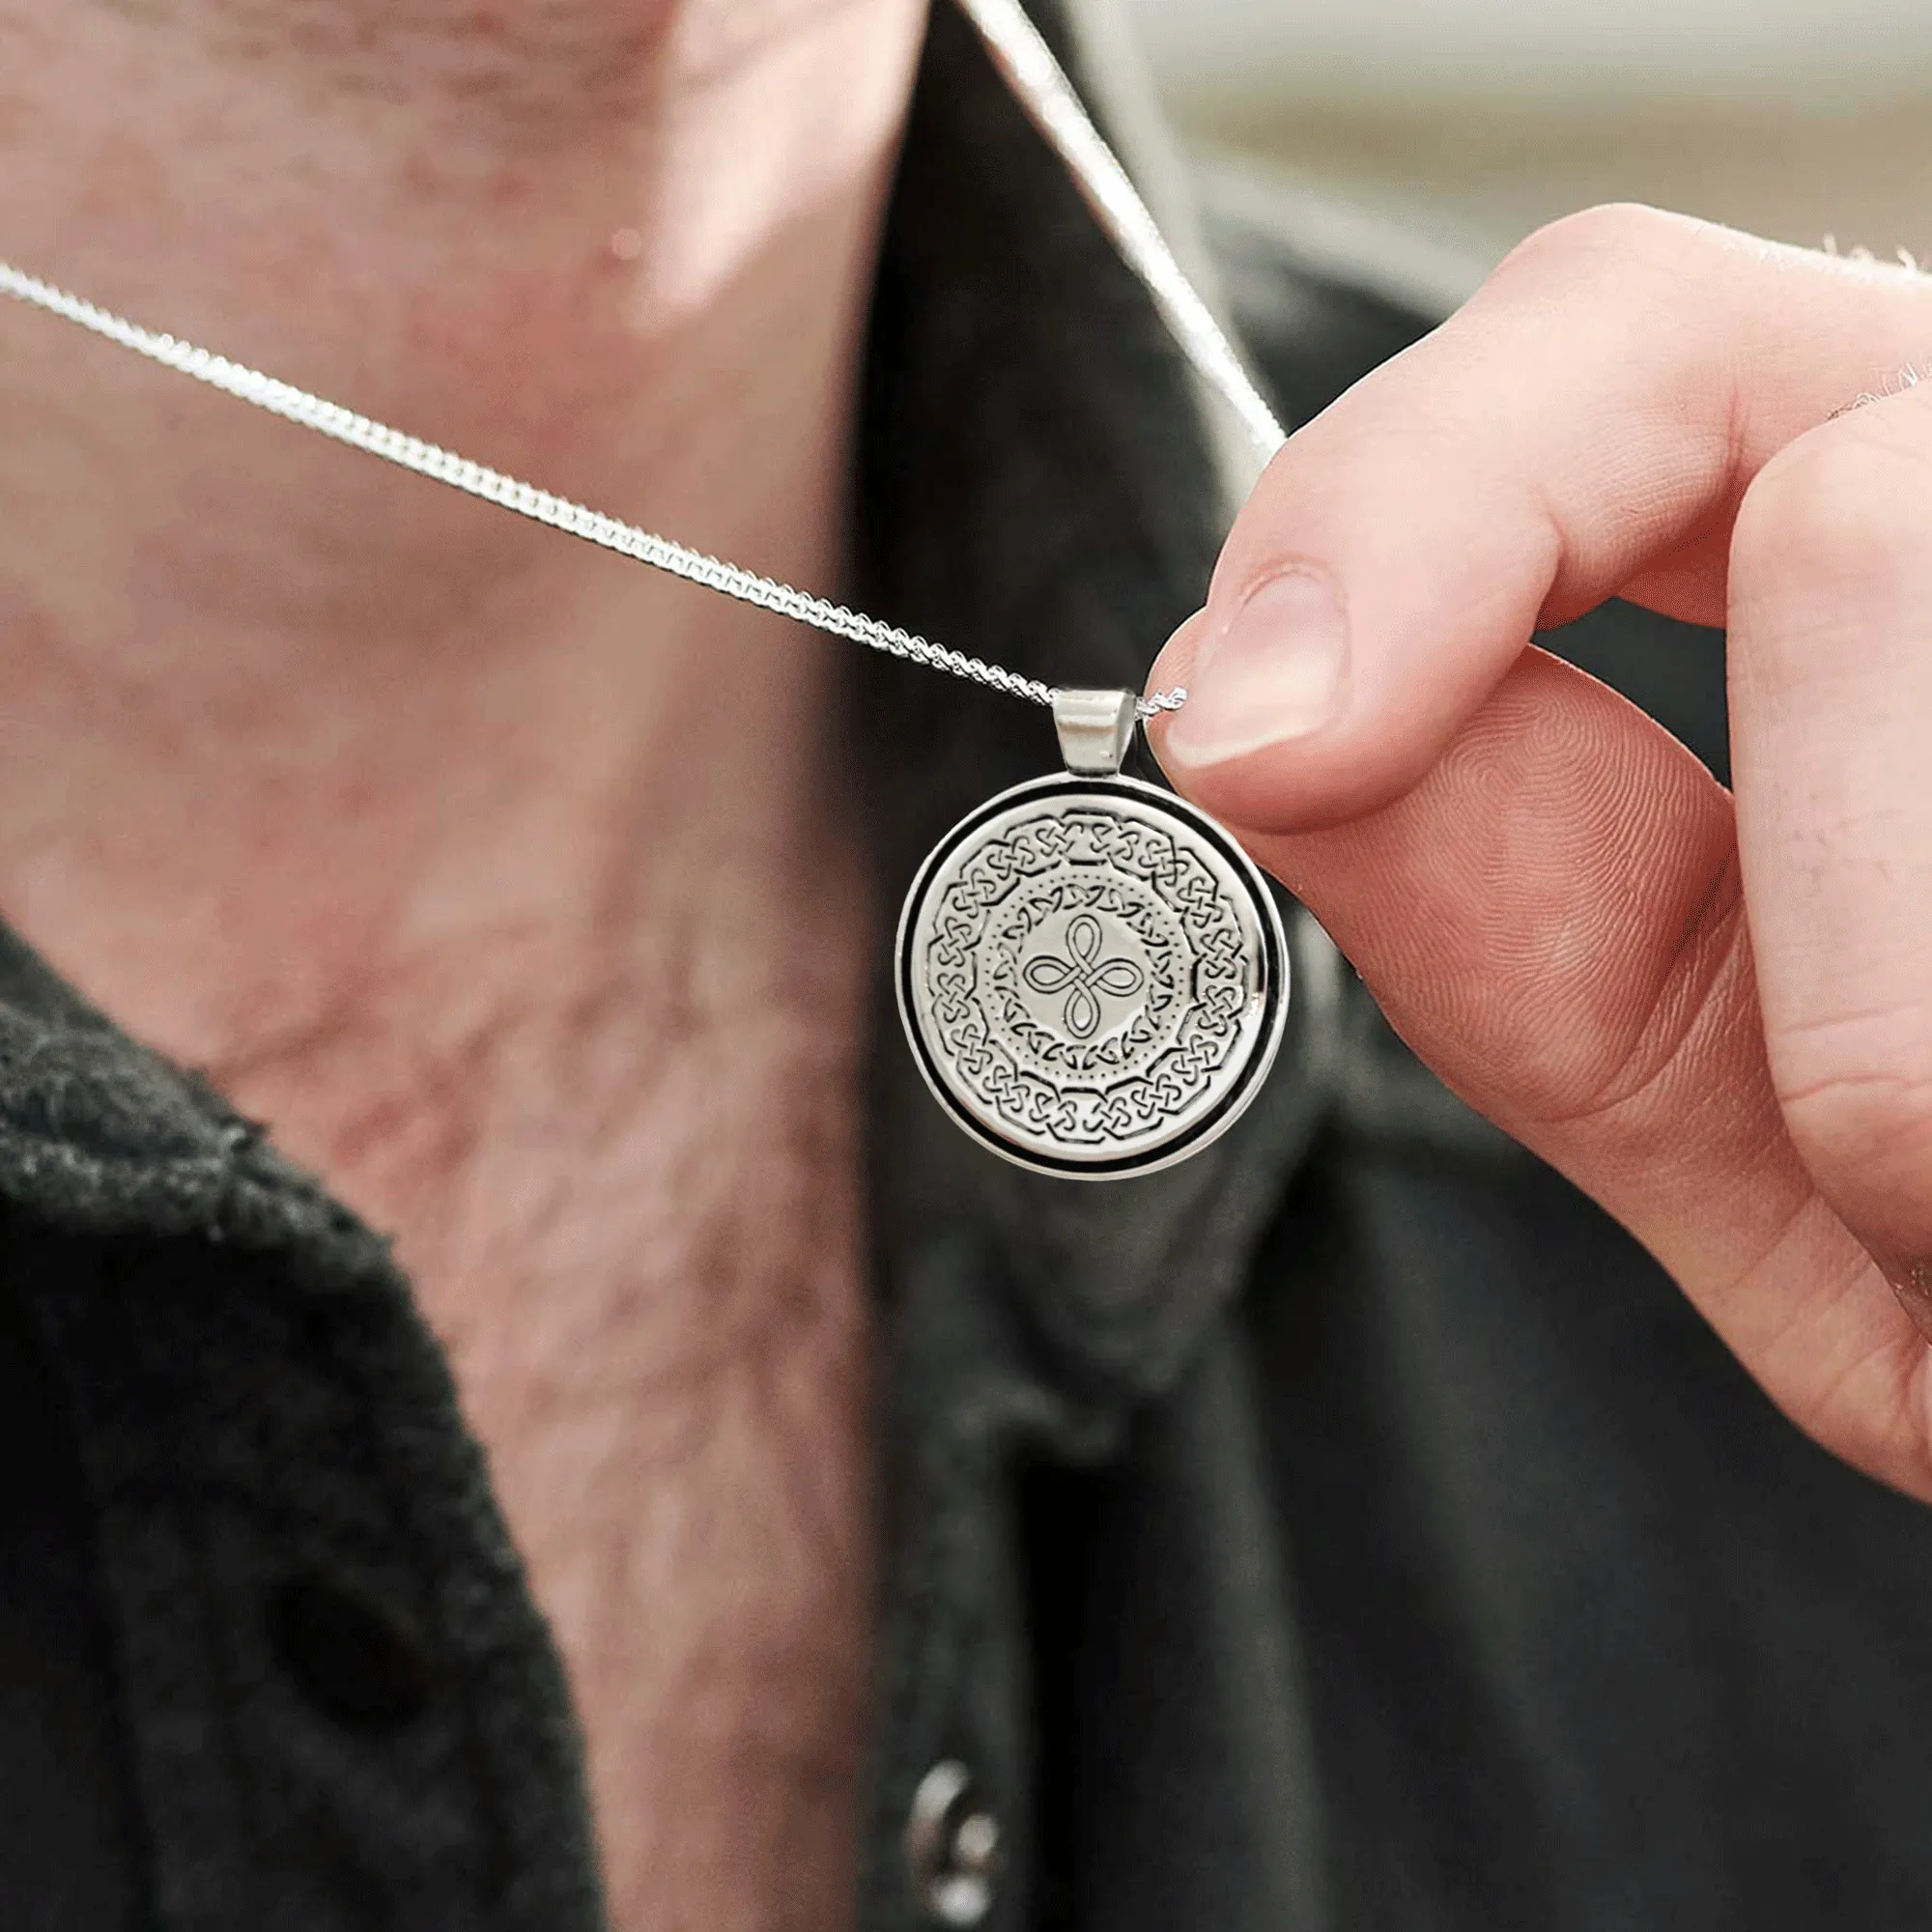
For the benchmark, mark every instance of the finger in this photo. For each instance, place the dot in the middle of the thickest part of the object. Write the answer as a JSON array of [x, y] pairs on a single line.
[[1585, 425], [1831, 675], [1553, 919]]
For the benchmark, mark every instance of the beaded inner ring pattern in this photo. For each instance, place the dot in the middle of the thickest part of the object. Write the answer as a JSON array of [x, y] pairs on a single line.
[[1092, 975]]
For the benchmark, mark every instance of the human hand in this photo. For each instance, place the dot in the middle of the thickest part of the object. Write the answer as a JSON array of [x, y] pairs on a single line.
[[1713, 1013]]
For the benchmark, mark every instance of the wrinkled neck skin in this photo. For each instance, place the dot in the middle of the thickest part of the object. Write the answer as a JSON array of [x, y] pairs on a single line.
[[514, 886]]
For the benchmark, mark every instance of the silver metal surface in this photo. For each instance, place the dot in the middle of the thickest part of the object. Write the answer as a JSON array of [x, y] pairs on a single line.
[[952, 1847], [1095, 728], [1092, 975]]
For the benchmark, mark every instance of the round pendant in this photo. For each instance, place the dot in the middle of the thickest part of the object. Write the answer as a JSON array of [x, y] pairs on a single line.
[[1092, 975]]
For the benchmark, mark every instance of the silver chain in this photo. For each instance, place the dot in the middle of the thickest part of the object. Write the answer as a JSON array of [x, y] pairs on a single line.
[[332, 419], [1054, 104], [1048, 95]]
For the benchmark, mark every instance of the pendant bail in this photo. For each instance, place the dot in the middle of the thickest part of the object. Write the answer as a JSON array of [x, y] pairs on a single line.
[[1095, 728]]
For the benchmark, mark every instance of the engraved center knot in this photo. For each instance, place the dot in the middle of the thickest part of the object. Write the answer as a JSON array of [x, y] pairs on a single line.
[[1083, 975]]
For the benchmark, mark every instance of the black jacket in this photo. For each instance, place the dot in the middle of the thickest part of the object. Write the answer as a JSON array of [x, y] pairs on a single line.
[[1349, 1530]]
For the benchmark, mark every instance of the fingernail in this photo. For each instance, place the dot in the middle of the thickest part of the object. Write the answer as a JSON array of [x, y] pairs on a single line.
[[1275, 672]]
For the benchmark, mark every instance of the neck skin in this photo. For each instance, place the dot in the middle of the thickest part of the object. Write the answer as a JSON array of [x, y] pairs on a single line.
[[514, 886]]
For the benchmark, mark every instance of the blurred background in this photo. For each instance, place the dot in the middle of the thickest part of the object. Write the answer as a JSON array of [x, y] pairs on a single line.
[[1448, 128]]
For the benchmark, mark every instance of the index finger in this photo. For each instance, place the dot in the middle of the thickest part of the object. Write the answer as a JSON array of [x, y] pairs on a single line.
[[1585, 426]]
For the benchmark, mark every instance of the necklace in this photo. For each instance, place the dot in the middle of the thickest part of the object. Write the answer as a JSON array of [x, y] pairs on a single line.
[[1091, 973]]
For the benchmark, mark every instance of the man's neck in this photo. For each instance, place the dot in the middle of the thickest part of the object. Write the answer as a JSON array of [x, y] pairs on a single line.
[[511, 884], [235, 652]]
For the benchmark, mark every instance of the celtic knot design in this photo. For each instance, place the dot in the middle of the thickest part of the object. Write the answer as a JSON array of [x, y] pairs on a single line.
[[1082, 975], [1087, 975]]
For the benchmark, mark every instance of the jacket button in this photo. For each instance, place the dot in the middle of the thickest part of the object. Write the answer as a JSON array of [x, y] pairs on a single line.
[[952, 1847], [354, 1658]]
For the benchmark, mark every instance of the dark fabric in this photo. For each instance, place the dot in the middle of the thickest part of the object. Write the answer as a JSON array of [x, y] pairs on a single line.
[[257, 1406], [1594, 1639], [67, 1862], [1347, 1530]]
